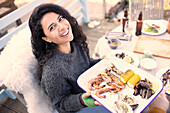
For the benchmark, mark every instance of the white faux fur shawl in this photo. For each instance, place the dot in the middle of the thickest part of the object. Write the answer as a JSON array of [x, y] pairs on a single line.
[[17, 68]]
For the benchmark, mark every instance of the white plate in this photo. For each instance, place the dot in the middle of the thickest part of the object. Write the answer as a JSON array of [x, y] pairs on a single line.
[[156, 22], [109, 101], [159, 74], [131, 54]]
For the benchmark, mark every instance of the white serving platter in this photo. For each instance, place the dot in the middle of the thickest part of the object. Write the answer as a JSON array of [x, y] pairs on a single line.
[[109, 101]]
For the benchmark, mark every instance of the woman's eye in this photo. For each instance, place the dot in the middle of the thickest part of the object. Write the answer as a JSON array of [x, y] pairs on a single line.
[[61, 18], [52, 27]]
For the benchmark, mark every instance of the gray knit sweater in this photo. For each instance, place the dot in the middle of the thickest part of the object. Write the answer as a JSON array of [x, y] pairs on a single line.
[[59, 78]]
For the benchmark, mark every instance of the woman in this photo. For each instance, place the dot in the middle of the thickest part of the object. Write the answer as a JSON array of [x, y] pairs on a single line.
[[60, 48]]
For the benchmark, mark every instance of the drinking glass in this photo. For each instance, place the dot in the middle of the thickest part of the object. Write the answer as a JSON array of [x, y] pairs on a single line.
[[129, 35]]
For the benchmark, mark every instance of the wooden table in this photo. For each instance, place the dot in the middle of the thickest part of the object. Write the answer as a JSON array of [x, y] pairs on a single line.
[[102, 48]]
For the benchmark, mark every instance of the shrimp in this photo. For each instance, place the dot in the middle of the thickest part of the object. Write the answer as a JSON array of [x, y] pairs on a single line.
[[120, 85], [114, 69], [106, 77], [114, 88], [95, 82], [116, 80], [100, 91]]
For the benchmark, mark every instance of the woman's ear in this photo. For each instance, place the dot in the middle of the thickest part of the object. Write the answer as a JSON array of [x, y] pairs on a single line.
[[46, 39]]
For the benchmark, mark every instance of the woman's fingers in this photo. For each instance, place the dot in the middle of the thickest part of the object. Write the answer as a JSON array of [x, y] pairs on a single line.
[[87, 94], [96, 103]]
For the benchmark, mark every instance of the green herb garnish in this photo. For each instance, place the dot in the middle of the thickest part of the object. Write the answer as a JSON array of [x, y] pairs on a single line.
[[152, 30]]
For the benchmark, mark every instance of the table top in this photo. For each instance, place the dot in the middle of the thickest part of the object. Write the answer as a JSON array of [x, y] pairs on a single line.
[[103, 49]]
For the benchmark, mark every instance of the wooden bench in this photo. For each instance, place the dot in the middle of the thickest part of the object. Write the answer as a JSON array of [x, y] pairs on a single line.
[[6, 7], [11, 7], [5, 92], [77, 8]]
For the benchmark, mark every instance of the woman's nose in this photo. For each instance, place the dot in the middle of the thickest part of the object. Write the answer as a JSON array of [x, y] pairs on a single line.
[[60, 26]]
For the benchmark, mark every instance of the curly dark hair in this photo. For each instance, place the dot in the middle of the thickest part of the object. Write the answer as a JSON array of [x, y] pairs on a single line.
[[44, 50]]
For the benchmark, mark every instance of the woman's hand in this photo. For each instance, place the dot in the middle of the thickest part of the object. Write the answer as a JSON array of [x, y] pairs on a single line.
[[87, 94], [87, 100]]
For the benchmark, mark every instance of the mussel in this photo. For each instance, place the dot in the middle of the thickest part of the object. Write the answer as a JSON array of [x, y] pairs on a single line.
[[166, 77], [143, 88], [168, 71], [136, 91], [148, 93], [143, 92], [134, 106]]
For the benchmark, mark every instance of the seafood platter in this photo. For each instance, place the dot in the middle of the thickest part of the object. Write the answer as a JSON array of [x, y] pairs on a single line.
[[127, 56], [164, 75], [120, 86]]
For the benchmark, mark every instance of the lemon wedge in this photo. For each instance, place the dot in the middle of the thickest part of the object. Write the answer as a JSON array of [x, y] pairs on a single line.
[[168, 88], [154, 86], [127, 59]]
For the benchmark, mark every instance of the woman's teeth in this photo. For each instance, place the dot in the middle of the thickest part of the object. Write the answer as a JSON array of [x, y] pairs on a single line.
[[65, 33]]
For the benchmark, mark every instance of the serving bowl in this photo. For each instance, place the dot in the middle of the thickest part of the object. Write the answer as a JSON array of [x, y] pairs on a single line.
[[148, 63], [113, 43]]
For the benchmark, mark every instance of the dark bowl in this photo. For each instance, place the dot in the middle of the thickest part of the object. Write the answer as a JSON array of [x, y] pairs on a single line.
[[113, 43]]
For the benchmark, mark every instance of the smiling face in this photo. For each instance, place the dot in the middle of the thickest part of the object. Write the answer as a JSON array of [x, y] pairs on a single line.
[[57, 29]]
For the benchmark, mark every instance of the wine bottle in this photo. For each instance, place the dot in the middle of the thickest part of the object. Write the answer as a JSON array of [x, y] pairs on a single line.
[[125, 20], [139, 25]]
